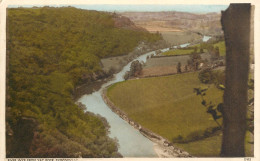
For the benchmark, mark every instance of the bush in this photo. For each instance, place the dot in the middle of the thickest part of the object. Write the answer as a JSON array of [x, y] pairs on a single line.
[[135, 68], [206, 76], [127, 75], [219, 77]]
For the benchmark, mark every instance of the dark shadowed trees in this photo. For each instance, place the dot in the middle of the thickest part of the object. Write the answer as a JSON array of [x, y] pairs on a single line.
[[195, 60], [135, 68], [179, 67]]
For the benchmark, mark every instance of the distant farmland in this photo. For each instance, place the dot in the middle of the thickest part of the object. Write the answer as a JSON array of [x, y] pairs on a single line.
[[172, 61], [177, 38], [156, 66]]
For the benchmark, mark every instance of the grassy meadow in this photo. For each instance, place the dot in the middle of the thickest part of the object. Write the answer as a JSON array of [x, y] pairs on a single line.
[[210, 147], [165, 105], [178, 52], [220, 44], [168, 107]]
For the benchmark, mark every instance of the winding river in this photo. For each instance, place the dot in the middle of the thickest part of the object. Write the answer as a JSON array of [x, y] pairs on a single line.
[[131, 142]]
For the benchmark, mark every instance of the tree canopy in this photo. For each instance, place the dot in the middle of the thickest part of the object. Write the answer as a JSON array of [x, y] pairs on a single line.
[[49, 52]]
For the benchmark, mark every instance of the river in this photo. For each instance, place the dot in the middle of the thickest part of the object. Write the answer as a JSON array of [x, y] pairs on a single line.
[[131, 142]]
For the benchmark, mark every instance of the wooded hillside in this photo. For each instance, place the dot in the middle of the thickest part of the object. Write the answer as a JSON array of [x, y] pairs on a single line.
[[49, 52]]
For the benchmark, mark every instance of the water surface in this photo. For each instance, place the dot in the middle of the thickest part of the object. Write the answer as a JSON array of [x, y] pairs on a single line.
[[131, 142]]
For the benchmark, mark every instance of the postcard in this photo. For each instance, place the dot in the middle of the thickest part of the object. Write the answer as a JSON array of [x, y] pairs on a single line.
[[129, 80]]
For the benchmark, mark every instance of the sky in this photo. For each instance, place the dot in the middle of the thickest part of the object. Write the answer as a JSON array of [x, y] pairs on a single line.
[[146, 8]]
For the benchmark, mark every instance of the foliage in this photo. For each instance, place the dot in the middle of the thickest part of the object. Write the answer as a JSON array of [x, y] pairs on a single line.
[[217, 48], [217, 77], [250, 116], [205, 76], [179, 67], [127, 75], [215, 111], [209, 76], [50, 51], [195, 60], [135, 69]]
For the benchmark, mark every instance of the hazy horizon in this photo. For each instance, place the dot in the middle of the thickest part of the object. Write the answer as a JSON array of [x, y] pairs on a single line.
[[140, 8]]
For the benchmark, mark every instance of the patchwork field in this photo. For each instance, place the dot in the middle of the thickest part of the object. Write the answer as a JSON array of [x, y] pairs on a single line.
[[171, 61], [157, 66], [168, 107]]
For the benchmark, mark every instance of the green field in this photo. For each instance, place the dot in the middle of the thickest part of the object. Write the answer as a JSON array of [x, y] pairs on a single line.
[[196, 45], [221, 45], [222, 48], [168, 107], [211, 146], [178, 52]]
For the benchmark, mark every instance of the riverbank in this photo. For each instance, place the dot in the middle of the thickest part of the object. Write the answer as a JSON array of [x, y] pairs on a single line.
[[111, 66], [162, 146]]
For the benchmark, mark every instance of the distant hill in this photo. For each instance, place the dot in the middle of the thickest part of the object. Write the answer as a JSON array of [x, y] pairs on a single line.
[[126, 23], [177, 21]]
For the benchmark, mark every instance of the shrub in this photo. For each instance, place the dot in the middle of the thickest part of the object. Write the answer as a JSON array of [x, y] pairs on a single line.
[[127, 75], [206, 76]]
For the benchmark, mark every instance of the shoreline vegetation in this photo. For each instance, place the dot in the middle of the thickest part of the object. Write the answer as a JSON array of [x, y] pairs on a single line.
[[111, 66]]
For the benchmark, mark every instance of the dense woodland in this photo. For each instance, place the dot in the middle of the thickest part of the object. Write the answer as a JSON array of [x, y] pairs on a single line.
[[49, 52]]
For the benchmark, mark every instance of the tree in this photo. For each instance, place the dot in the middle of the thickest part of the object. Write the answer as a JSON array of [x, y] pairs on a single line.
[[127, 75], [46, 65], [217, 51], [186, 68], [201, 50], [206, 76], [179, 67], [195, 60], [236, 25], [135, 68], [213, 110]]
